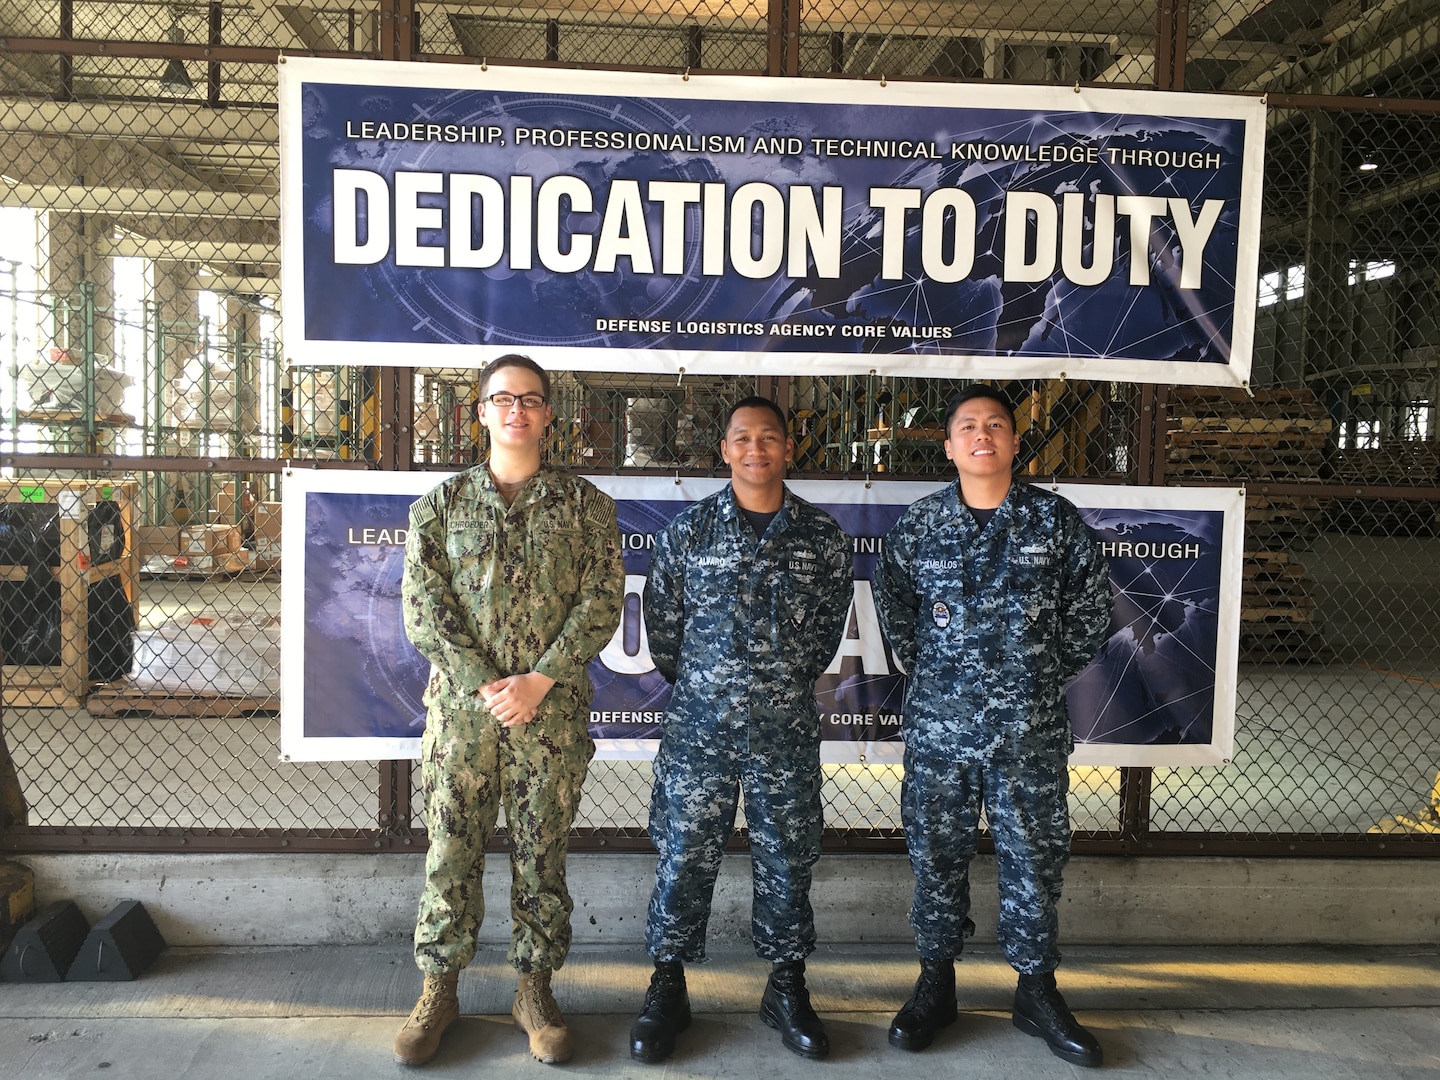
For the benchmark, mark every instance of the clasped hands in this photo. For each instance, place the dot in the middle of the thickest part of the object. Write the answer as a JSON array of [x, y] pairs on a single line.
[[515, 699]]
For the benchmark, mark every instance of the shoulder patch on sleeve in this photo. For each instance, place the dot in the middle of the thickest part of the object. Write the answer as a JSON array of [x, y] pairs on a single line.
[[425, 509], [600, 509]]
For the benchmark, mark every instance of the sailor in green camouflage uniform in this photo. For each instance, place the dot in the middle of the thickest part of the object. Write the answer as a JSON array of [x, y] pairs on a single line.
[[994, 595], [744, 607], [513, 583]]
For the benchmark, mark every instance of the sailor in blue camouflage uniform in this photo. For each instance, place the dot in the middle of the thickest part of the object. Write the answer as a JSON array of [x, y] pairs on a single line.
[[993, 594], [746, 601], [513, 583]]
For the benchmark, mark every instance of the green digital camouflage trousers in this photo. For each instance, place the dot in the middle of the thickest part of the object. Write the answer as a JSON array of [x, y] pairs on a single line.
[[469, 764]]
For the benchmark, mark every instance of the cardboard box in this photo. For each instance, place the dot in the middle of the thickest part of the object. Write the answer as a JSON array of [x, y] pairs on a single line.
[[427, 422], [209, 539], [223, 504], [151, 540], [267, 522], [267, 553]]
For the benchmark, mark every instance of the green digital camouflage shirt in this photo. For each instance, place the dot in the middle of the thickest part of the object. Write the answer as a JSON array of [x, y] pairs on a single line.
[[492, 590]]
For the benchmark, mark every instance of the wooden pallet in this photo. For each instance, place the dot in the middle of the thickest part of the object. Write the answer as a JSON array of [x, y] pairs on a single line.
[[1230, 439], [1273, 589], [1219, 433], [1283, 534], [32, 686], [1276, 597], [1266, 458], [1271, 508], [1290, 611], [1247, 470], [253, 572], [1302, 395], [1277, 605], [1271, 560], [1263, 573], [1282, 521], [122, 699], [1253, 424], [1283, 640], [1280, 403]]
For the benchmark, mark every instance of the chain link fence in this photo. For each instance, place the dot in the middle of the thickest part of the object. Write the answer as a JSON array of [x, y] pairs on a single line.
[[147, 413]]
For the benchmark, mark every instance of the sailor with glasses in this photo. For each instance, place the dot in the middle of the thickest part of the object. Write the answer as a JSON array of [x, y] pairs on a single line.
[[513, 583]]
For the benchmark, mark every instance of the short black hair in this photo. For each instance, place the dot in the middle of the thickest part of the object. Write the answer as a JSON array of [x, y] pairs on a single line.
[[756, 402], [513, 360], [979, 390]]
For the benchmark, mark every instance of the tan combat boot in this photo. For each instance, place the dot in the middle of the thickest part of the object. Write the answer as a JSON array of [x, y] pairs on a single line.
[[536, 1013], [437, 1009]]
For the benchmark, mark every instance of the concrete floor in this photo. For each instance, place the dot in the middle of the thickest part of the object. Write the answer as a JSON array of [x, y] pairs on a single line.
[[332, 1012]]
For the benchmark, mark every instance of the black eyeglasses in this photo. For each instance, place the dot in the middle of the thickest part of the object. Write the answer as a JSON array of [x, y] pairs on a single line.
[[506, 401]]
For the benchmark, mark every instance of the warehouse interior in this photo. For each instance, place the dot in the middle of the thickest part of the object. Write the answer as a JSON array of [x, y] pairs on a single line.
[[143, 373]]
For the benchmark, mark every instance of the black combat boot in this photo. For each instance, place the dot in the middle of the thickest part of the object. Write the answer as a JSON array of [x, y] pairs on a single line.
[[930, 1007], [1042, 1012], [786, 1007], [665, 1014]]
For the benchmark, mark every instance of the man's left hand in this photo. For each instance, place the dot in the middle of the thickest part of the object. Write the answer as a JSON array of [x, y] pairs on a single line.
[[515, 699]]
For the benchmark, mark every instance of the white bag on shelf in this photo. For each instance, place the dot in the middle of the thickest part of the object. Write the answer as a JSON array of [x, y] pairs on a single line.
[[229, 408], [61, 387]]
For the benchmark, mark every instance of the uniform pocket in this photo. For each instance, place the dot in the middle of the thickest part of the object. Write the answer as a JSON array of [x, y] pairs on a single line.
[[1034, 603], [469, 543], [558, 558], [712, 580], [800, 603], [469, 538]]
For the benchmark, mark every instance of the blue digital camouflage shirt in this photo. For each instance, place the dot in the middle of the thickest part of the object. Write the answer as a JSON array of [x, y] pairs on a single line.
[[991, 623], [743, 626]]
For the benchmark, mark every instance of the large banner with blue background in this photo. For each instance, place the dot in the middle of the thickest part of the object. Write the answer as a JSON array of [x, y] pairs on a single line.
[[1161, 691], [657, 223]]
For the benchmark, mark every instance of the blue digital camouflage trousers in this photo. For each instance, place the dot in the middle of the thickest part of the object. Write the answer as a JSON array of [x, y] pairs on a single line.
[[1029, 818], [470, 764], [692, 814]]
